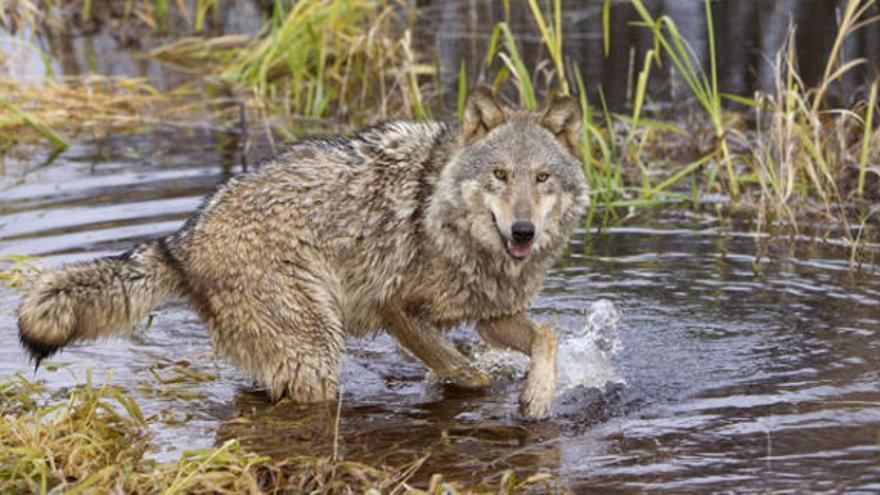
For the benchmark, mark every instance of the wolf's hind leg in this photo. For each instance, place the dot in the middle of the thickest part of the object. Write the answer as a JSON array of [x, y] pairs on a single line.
[[519, 332], [428, 345], [288, 335]]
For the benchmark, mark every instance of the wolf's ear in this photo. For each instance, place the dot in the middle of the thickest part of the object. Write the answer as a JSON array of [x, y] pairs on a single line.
[[563, 118], [481, 114]]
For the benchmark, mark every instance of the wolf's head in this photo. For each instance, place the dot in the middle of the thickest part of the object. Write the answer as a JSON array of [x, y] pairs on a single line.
[[515, 186]]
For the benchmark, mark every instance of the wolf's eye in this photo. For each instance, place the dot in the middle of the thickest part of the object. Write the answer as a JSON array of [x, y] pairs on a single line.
[[500, 174], [542, 177]]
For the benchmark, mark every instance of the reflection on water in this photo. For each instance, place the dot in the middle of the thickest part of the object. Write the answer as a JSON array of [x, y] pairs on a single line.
[[732, 379], [748, 36]]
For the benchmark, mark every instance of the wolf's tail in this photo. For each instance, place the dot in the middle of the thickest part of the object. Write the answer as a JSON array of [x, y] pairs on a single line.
[[88, 300]]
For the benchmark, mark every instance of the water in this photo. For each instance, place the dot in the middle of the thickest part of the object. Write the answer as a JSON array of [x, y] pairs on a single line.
[[584, 359], [585, 355], [748, 35], [714, 377], [724, 370]]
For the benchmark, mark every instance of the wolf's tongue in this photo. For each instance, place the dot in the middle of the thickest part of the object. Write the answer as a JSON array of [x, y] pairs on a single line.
[[519, 250]]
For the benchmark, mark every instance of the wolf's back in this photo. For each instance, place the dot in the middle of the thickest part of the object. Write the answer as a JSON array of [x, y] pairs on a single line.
[[95, 298]]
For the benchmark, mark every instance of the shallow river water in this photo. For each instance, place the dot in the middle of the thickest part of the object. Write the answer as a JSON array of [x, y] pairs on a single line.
[[729, 371], [738, 373]]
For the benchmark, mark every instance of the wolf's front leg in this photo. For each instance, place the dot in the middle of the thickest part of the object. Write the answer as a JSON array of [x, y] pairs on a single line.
[[427, 344], [521, 333]]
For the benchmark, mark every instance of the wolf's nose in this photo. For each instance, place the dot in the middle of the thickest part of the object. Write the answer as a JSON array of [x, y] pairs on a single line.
[[523, 231]]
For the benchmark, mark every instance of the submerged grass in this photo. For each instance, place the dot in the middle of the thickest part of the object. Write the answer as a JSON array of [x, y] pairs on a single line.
[[95, 439]]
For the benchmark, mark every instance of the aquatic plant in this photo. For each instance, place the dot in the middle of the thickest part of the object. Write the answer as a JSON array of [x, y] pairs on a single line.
[[802, 153], [703, 86], [95, 439], [353, 62], [18, 270], [52, 15], [334, 57], [805, 150]]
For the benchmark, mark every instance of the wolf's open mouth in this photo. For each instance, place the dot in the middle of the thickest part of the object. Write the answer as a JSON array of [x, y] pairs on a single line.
[[519, 251]]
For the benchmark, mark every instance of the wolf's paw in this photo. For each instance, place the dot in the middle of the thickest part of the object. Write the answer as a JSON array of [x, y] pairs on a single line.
[[470, 378], [535, 401]]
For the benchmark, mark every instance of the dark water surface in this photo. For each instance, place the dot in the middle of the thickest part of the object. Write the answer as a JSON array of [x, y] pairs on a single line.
[[733, 380]]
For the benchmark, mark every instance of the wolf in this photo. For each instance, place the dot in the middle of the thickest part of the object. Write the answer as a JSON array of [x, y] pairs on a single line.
[[408, 227]]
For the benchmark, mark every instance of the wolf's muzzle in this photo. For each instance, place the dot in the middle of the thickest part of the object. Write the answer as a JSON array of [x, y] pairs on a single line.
[[522, 231]]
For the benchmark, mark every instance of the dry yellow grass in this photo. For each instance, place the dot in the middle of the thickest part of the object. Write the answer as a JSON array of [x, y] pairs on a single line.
[[95, 439]]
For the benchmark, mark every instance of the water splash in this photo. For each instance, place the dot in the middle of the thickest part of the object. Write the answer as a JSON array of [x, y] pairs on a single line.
[[503, 364], [584, 355]]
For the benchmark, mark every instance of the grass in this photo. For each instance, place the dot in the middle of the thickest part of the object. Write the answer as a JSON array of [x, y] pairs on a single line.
[[868, 130], [513, 64], [54, 15], [804, 152], [94, 438], [704, 87], [18, 270], [552, 37], [91, 104], [334, 57], [49, 113], [792, 165], [25, 119], [354, 62]]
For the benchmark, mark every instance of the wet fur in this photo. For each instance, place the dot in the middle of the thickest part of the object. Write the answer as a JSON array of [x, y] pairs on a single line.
[[399, 227]]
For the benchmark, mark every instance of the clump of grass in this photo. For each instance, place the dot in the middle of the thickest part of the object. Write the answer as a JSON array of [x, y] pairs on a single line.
[[703, 85], [53, 15], [22, 15], [81, 441], [54, 111], [334, 57], [804, 150], [352, 60], [95, 439], [18, 270]]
